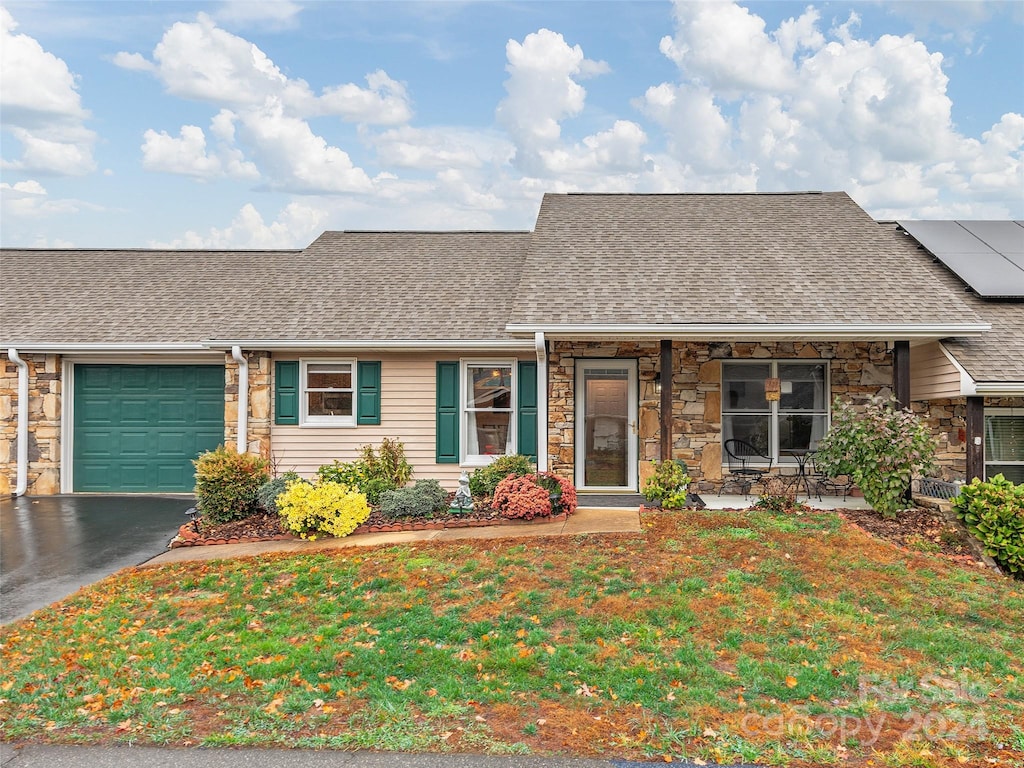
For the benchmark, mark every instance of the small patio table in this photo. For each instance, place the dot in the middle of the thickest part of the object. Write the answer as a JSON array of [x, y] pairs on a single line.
[[801, 455]]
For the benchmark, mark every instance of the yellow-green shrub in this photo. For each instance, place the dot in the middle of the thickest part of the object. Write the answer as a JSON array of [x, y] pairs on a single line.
[[325, 508]]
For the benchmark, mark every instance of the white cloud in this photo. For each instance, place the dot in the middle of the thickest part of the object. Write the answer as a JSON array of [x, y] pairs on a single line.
[[41, 107], [796, 108], [187, 154], [439, 148], [30, 200], [618, 150], [296, 226], [542, 91], [133, 61]]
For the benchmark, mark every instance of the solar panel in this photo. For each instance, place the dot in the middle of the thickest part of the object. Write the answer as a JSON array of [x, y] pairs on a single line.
[[987, 255]]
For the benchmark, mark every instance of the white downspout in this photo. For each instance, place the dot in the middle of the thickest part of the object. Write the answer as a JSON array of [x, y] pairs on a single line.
[[21, 484], [243, 399], [542, 402]]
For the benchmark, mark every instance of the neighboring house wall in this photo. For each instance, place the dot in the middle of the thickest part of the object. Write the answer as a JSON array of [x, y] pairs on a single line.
[[947, 420], [260, 394], [44, 406], [856, 371], [932, 375]]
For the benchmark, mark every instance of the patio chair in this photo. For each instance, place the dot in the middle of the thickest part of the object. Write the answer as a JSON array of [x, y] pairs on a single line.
[[832, 486], [741, 457]]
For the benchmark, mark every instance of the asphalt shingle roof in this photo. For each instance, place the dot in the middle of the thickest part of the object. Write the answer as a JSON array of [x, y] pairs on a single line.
[[365, 286], [721, 258]]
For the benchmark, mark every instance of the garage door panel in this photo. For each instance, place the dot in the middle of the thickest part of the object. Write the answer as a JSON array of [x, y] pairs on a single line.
[[138, 427]]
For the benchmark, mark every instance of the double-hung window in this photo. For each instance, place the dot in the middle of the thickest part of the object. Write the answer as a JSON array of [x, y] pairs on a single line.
[[488, 409], [328, 392], [796, 421], [1004, 443]]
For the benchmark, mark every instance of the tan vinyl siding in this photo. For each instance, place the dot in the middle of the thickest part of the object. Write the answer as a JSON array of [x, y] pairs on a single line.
[[408, 385], [932, 375]]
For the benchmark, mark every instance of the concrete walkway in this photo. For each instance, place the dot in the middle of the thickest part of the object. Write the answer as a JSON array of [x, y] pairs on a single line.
[[586, 520]]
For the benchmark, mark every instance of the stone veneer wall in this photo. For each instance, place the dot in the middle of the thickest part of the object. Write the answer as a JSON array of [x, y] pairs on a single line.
[[258, 435], [44, 405], [947, 420], [857, 370]]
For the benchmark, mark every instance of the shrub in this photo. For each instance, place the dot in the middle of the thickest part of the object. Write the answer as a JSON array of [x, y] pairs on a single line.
[[668, 484], [778, 496], [521, 497], [484, 480], [267, 495], [420, 500], [880, 447], [227, 483], [376, 472], [553, 483], [994, 513], [326, 507]]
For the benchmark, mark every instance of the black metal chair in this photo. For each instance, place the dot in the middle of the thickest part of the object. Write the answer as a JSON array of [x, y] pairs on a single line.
[[832, 486], [742, 458]]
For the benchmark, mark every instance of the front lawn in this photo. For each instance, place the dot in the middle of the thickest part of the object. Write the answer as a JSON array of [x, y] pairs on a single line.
[[748, 636]]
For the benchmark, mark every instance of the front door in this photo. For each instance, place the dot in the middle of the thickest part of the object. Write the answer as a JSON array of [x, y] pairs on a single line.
[[606, 411]]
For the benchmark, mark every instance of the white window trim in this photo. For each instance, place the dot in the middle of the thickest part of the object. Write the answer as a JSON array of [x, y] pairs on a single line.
[[773, 425], [481, 460], [305, 419], [1013, 412]]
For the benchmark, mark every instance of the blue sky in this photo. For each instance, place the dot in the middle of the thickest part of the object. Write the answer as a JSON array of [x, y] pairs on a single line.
[[261, 124]]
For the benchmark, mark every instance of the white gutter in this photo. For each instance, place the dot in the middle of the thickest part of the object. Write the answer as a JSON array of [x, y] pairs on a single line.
[[273, 345], [542, 402], [21, 484], [753, 331], [110, 348], [243, 398], [999, 388]]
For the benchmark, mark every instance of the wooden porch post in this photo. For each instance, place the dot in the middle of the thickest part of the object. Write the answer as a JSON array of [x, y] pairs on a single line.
[[901, 373], [975, 438], [666, 399]]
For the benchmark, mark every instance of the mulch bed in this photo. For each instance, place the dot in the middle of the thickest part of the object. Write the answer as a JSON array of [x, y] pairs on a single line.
[[917, 529]]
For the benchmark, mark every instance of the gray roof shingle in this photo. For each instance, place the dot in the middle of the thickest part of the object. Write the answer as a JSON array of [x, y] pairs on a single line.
[[721, 258], [361, 286]]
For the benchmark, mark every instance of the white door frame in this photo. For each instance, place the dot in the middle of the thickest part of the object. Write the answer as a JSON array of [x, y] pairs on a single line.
[[632, 442]]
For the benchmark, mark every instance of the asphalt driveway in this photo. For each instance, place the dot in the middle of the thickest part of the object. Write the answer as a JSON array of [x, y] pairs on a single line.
[[50, 546]]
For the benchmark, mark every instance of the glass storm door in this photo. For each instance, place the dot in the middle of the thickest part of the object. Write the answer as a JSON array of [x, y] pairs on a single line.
[[606, 411]]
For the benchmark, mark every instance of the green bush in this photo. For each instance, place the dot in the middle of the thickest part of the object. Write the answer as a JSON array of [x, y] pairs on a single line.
[[227, 483], [880, 447], [668, 484], [420, 500], [376, 472], [270, 490], [325, 508], [994, 513], [484, 480]]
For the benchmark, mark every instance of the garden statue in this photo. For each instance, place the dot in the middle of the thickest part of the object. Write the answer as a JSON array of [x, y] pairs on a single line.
[[463, 498]]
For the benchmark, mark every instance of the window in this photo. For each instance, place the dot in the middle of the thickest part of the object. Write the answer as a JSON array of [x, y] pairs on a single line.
[[488, 413], [1004, 443], [328, 392], [797, 421]]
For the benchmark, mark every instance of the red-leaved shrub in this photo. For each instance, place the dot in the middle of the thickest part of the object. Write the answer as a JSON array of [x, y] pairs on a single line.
[[529, 496], [522, 498]]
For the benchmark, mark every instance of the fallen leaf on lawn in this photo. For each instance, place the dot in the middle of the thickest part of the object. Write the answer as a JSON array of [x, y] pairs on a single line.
[[481, 719], [710, 733], [790, 681], [273, 706], [541, 721]]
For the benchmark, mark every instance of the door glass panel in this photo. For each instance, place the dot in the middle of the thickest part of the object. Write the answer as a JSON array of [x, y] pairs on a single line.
[[606, 459]]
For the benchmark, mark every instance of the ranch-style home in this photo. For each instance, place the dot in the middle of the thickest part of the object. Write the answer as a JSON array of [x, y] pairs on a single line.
[[623, 329]]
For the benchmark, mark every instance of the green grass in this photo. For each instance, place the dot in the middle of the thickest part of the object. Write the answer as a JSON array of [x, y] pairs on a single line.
[[745, 636]]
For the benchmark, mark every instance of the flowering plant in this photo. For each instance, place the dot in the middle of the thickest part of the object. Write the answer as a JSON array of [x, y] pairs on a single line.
[[327, 507], [529, 496]]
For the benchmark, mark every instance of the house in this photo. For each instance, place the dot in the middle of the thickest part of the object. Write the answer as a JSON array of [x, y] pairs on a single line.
[[623, 329]]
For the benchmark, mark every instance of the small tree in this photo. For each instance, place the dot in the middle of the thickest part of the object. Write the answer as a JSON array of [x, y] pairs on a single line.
[[880, 447]]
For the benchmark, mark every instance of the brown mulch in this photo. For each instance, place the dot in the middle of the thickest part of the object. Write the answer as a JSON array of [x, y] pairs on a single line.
[[916, 528]]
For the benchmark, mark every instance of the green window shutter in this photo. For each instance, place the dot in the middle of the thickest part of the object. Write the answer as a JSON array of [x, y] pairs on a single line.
[[447, 435], [368, 376], [286, 392], [527, 410]]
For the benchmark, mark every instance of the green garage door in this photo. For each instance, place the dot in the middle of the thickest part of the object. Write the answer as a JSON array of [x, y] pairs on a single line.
[[138, 427]]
